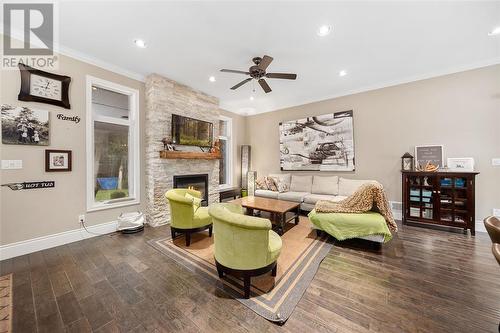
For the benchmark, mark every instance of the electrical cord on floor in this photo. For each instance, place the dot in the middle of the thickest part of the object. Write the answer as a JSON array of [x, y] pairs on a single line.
[[94, 233]]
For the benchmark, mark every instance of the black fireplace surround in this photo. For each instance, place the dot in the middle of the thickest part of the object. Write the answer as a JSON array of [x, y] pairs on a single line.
[[196, 182]]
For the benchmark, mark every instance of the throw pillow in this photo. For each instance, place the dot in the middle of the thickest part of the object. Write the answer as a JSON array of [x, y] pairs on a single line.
[[282, 187], [271, 184], [260, 183], [196, 201]]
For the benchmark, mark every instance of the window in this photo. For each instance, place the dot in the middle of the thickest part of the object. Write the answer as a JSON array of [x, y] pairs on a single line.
[[112, 145], [225, 165]]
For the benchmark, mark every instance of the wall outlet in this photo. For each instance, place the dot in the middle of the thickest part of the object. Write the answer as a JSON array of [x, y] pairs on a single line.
[[496, 212], [81, 219], [495, 161]]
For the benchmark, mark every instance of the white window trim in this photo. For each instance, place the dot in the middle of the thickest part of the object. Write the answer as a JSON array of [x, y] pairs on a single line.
[[134, 143], [229, 138]]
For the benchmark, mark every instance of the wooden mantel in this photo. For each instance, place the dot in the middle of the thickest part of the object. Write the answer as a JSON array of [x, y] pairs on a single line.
[[191, 155]]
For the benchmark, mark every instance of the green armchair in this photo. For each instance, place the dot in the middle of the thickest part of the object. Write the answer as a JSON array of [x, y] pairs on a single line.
[[244, 245], [186, 215]]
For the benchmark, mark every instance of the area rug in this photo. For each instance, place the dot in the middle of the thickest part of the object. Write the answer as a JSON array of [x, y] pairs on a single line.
[[6, 304], [274, 298]]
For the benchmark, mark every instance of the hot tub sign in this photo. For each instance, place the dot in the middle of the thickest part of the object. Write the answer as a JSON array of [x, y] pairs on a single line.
[[31, 185]]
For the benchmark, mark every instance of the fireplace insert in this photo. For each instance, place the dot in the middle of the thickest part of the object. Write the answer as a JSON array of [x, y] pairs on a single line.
[[197, 182]]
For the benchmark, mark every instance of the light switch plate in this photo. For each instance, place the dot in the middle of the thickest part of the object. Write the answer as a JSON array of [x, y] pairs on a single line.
[[12, 164], [495, 161]]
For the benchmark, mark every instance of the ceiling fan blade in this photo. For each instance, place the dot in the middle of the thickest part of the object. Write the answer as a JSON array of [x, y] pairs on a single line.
[[264, 85], [266, 60], [281, 76], [234, 71], [241, 83]]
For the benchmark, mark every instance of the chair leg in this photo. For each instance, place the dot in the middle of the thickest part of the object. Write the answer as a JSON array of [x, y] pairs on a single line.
[[219, 271], [275, 270], [188, 238], [246, 286], [172, 233], [319, 232], [210, 231]]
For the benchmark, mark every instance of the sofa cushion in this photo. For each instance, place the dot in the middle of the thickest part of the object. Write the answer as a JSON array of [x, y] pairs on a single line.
[[325, 185], [301, 184], [293, 196], [313, 198], [282, 178], [266, 194], [349, 186]]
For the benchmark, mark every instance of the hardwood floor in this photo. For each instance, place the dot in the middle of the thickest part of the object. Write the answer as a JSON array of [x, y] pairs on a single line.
[[423, 281]]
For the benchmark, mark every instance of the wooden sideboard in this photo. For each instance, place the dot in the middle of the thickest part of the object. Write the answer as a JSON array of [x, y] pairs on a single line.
[[440, 198]]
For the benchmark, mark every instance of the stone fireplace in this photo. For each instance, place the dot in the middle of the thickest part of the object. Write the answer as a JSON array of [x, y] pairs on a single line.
[[165, 97], [195, 182]]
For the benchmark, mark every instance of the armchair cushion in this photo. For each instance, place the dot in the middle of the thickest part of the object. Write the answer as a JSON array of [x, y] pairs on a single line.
[[196, 201], [201, 218]]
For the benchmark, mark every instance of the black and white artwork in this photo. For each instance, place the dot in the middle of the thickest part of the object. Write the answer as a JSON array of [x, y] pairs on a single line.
[[24, 126], [320, 143]]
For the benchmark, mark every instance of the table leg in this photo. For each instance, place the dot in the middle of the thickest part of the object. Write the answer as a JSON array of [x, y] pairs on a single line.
[[281, 220], [297, 215], [250, 211]]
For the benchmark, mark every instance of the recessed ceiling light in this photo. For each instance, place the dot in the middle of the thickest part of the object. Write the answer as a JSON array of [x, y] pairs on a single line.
[[324, 30], [140, 43], [94, 88], [343, 73], [252, 98], [494, 32], [211, 79]]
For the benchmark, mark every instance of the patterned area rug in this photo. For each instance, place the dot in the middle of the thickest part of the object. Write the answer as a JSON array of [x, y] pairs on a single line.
[[6, 304], [274, 298]]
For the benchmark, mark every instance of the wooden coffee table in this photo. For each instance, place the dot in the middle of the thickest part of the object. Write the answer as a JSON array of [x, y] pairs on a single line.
[[277, 208]]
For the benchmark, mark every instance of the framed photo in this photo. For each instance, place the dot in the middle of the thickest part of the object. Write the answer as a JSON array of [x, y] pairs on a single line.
[[57, 160], [24, 126], [460, 163], [430, 153]]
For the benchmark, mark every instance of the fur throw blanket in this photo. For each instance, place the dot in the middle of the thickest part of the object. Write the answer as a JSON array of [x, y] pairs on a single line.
[[368, 195]]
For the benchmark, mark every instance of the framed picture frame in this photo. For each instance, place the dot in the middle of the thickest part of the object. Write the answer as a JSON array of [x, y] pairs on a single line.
[[58, 160], [460, 163], [22, 125], [429, 153]]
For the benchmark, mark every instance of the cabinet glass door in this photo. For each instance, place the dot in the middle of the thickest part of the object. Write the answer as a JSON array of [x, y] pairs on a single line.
[[453, 199], [422, 196]]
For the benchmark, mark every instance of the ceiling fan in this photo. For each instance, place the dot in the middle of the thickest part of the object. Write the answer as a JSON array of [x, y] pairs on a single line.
[[258, 72]]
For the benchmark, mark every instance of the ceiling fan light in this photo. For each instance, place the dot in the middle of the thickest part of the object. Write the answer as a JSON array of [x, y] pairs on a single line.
[[324, 30], [494, 32]]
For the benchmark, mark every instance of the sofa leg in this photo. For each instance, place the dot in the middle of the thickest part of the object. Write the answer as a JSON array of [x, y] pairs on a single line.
[[319, 232], [210, 231], [246, 286], [188, 238], [275, 270]]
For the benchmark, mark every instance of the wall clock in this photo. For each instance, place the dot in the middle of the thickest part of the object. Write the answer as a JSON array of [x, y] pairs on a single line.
[[43, 87]]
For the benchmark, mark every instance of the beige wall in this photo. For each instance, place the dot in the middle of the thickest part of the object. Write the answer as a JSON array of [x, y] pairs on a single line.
[[238, 138], [33, 213], [460, 111]]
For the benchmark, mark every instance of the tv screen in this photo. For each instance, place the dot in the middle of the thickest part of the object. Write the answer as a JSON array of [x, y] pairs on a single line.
[[191, 132]]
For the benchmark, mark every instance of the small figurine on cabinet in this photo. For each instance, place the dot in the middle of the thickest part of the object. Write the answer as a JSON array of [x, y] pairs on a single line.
[[216, 147]]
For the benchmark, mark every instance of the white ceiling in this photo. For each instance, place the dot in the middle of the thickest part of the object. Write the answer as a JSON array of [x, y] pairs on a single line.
[[377, 43]]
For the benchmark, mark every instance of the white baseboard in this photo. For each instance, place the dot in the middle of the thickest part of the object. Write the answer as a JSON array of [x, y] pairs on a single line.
[[480, 226], [45, 242]]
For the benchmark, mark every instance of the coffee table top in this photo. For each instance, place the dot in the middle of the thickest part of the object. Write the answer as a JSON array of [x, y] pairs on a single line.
[[266, 204]]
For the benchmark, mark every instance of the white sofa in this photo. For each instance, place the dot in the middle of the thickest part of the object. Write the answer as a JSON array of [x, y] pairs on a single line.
[[308, 189]]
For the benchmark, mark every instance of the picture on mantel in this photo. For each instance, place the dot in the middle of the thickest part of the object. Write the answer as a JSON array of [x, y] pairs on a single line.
[[319, 143], [24, 126]]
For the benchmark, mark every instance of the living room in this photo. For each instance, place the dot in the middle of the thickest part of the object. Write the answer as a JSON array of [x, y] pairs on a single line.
[[250, 166]]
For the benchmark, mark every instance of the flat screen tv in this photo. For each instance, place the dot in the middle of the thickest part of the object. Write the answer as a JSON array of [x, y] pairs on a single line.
[[191, 132]]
